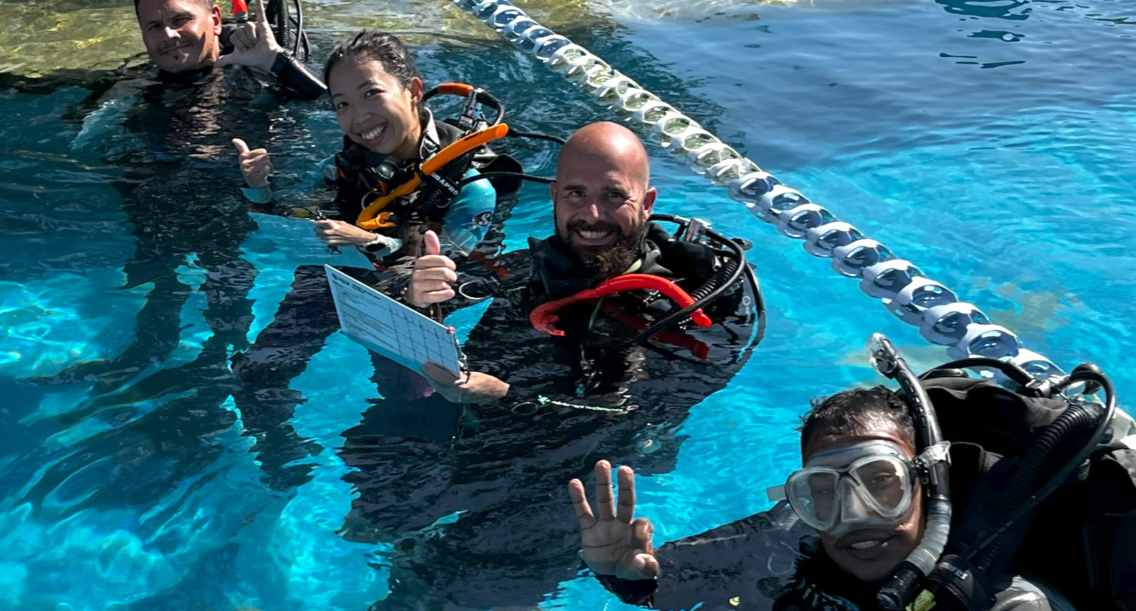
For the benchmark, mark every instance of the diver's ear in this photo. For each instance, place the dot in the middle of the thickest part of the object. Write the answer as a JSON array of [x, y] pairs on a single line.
[[649, 201], [416, 90], [215, 16]]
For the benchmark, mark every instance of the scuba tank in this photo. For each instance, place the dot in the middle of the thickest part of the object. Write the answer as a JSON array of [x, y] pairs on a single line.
[[1040, 489]]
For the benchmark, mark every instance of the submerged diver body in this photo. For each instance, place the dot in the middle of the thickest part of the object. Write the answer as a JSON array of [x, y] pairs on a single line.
[[378, 97], [546, 404], [863, 505], [170, 136], [170, 142]]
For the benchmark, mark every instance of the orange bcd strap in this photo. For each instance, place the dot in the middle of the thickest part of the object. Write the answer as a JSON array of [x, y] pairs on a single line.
[[460, 147], [543, 317]]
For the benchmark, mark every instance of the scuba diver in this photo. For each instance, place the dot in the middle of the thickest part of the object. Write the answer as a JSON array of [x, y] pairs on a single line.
[[467, 490], [398, 173], [164, 133], [186, 40], [867, 522]]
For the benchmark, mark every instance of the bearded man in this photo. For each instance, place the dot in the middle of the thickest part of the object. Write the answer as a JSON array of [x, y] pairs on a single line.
[[538, 408]]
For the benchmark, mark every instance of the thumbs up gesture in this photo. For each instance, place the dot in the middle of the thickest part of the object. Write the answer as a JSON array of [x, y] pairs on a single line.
[[433, 275], [254, 44], [255, 164]]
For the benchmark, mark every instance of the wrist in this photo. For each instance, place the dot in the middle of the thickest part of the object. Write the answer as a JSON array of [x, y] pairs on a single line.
[[258, 195], [279, 61]]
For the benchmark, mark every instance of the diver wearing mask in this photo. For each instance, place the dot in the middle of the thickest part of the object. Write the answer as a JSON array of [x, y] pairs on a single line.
[[866, 523]]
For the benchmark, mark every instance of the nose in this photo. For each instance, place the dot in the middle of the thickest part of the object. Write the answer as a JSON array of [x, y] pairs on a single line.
[[170, 33], [589, 209], [853, 509]]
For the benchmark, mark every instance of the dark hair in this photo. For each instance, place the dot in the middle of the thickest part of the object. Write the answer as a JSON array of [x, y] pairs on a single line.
[[206, 3], [853, 411], [382, 47]]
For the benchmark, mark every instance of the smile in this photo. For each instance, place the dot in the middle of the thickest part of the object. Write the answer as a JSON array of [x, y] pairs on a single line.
[[374, 134]]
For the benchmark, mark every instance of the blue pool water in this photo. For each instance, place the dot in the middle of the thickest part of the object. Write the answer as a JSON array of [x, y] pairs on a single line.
[[990, 142]]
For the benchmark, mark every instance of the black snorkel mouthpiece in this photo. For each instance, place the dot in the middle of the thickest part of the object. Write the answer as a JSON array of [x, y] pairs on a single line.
[[934, 465]]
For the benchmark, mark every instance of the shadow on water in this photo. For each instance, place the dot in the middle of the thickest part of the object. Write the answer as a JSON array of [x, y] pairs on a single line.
[[1012, 10]]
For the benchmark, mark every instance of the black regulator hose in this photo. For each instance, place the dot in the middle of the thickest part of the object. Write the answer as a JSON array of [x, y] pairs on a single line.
[[1083, 414], [517, 175], [729, 273]]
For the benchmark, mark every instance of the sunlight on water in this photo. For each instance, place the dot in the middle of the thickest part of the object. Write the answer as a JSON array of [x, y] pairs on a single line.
[[979, 139]]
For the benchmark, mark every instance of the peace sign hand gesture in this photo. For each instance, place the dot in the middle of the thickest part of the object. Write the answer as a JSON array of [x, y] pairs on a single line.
[[614, 543], [254, 44]]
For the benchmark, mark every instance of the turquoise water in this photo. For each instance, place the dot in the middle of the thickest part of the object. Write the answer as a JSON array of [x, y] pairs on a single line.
[[988, 142]]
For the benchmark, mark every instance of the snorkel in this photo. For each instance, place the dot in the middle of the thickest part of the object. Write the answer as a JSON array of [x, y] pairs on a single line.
[[905, 579]]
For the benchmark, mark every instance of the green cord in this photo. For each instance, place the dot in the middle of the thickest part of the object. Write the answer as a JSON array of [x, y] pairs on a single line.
[[595, 313], [542, 400]]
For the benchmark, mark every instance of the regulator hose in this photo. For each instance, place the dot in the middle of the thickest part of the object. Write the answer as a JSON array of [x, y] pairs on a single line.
[[709, 291], [1078, 375], [1073, 420]]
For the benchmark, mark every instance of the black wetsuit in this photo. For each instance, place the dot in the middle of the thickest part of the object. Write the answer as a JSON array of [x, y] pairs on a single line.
[[174, 147], [185, 122], [573, 400], [307, 315]]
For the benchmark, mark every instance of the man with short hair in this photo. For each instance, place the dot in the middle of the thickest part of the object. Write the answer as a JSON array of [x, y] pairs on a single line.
[[872, 510], [185, 36], [537, 405]]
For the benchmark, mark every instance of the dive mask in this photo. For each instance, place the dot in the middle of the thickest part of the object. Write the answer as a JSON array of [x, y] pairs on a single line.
[[864, 485]]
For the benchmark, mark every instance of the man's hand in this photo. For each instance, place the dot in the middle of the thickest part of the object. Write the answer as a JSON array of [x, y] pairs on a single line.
[[432, 276], [255, 164], [477, 388], [254, 44], [341, 233], [614, 544]]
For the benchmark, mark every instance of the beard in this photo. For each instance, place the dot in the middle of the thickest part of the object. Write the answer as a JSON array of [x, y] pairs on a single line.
[[605, 262]]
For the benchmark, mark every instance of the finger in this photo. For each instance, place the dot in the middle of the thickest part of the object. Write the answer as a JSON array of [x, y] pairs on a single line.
[[242, 147], [641, 531], [626, 507], [325, 225], [604, 499], [242, 39], [644, 566], [437, 296], [439, 274], [262, 19], [431, 286], [580, 504], [432, 261], [433, 245]]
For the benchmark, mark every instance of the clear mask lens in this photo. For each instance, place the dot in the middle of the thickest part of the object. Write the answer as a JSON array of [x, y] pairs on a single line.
[[869, 489]]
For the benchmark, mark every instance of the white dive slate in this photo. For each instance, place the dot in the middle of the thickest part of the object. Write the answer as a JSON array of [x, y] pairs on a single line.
[[386, 327]]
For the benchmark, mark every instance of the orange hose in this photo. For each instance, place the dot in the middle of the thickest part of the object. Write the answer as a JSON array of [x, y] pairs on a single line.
[[455, 89], [466, 144]]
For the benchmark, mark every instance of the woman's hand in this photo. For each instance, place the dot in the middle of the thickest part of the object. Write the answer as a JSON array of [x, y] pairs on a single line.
[[255, 164], [433, 277], [615, 543], [340, 233]]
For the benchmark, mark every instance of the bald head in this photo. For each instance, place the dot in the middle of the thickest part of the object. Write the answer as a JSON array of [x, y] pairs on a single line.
[[601, 197], [607, 145]]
